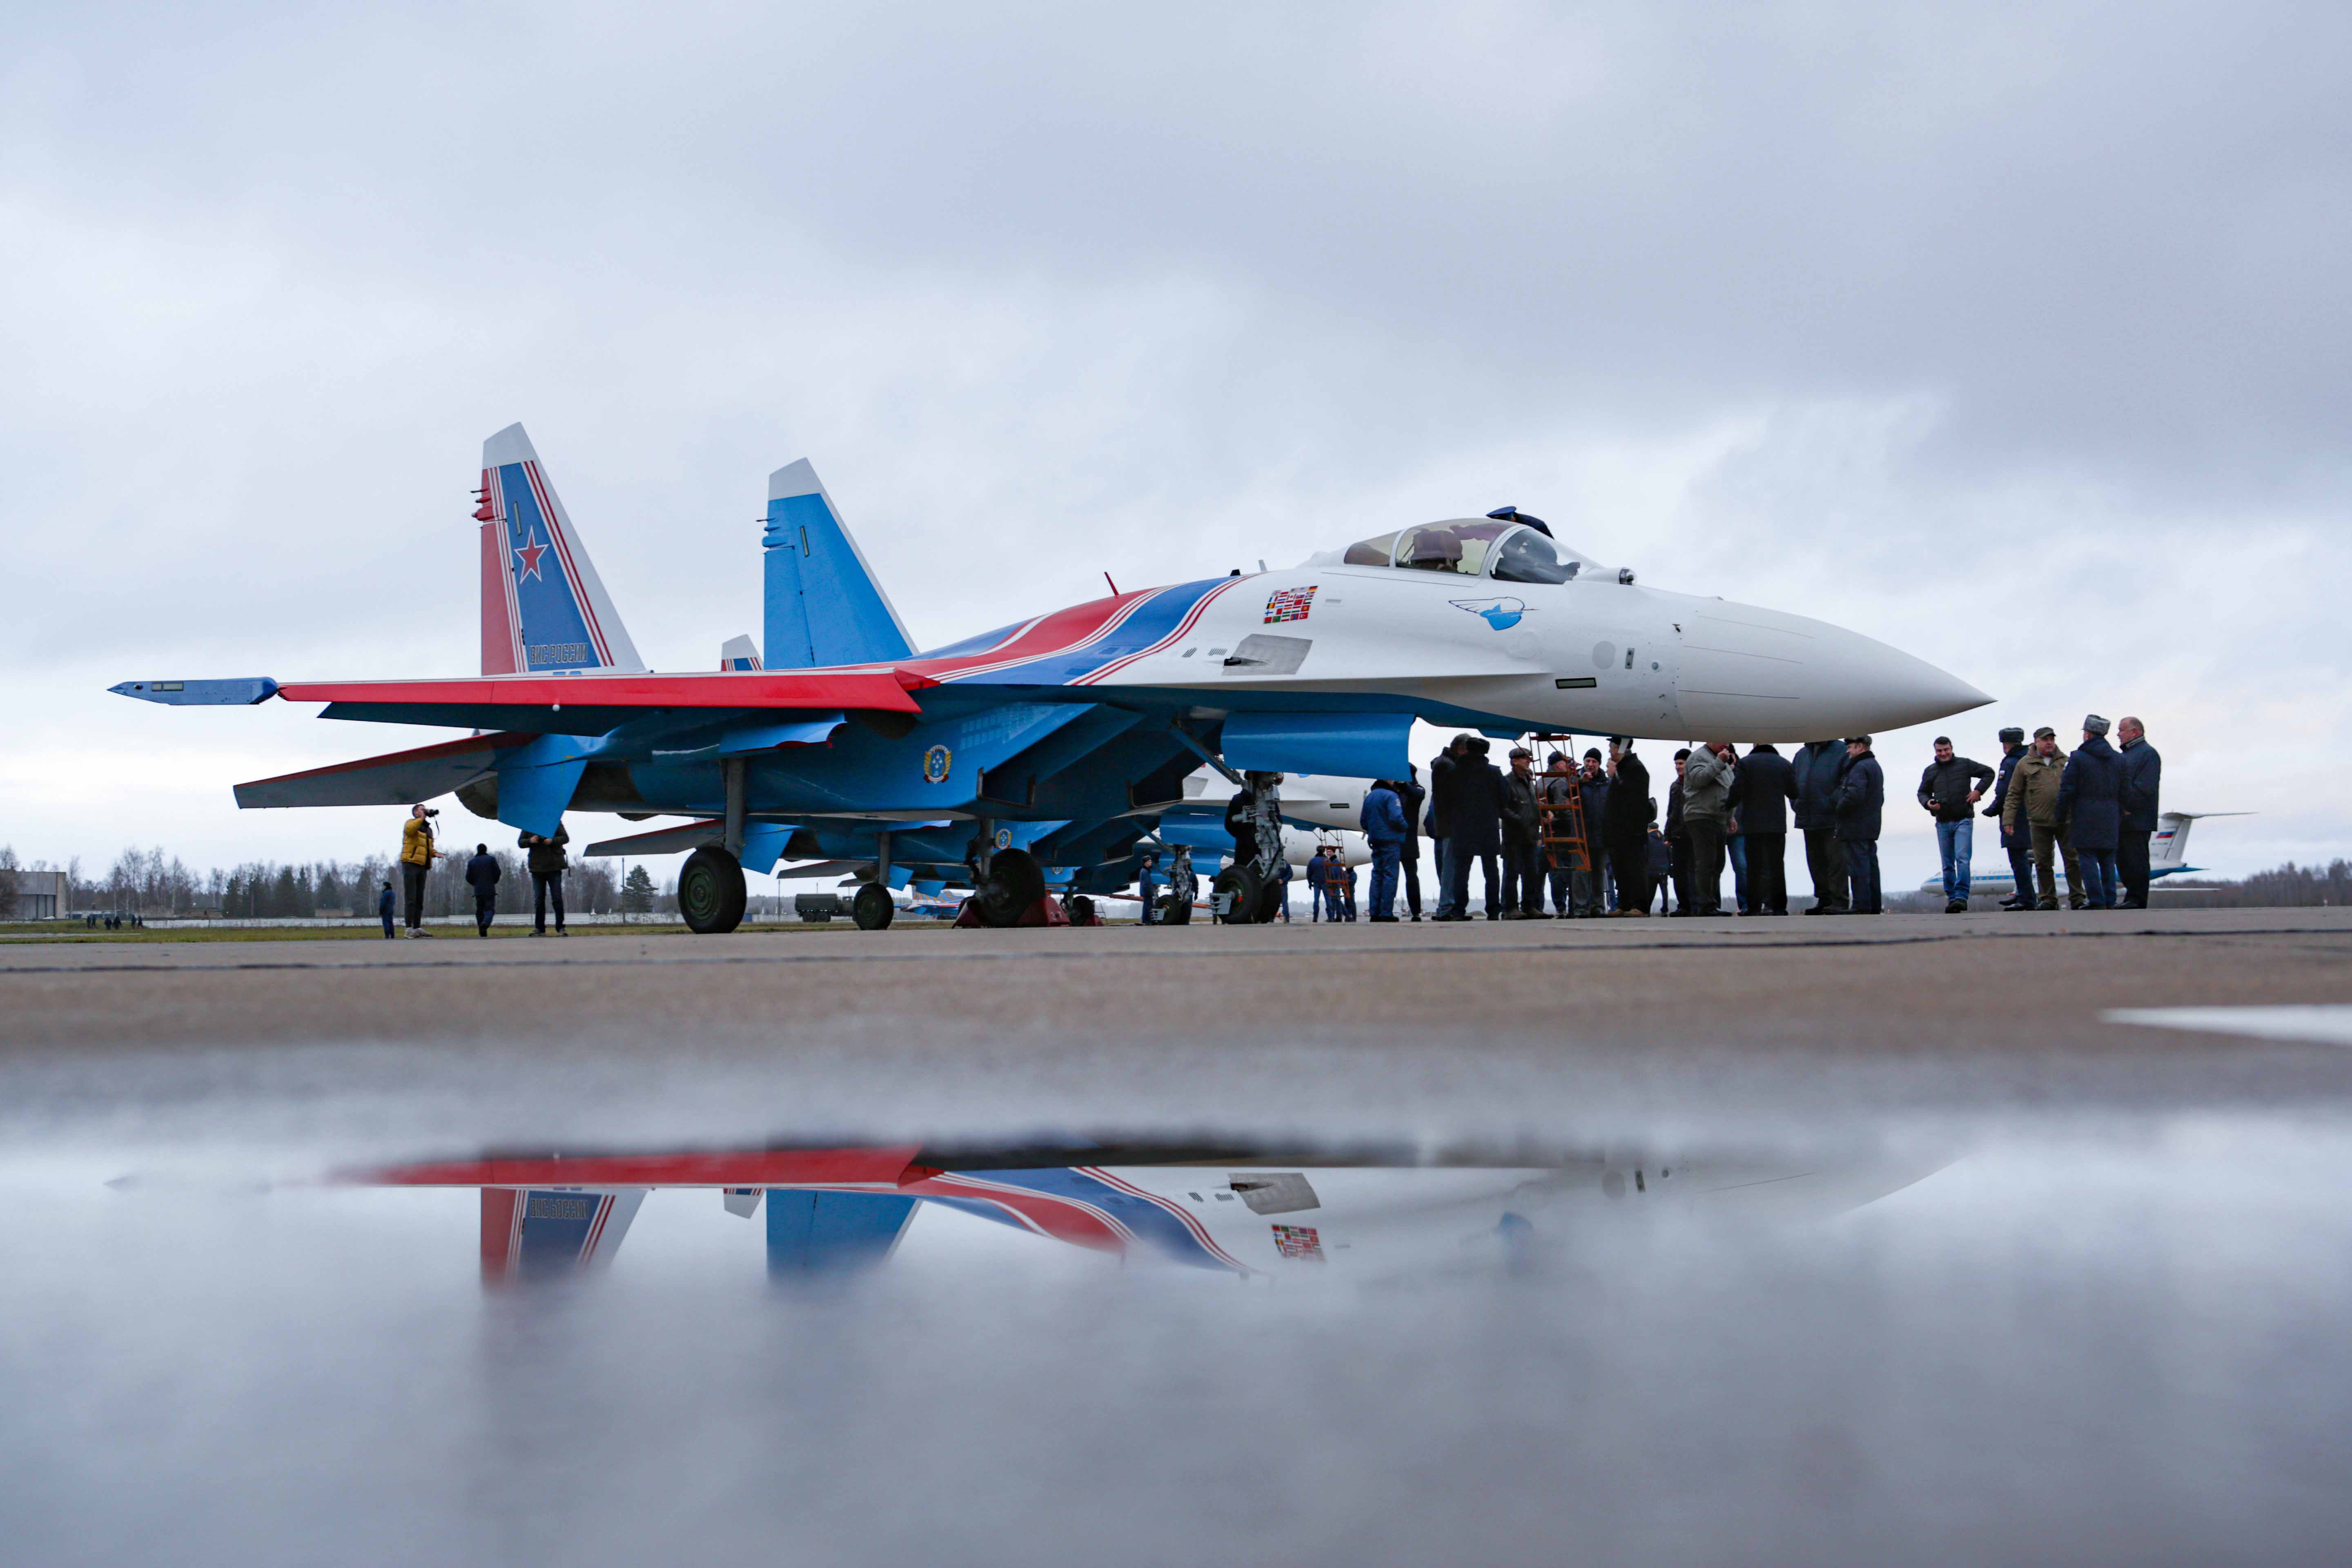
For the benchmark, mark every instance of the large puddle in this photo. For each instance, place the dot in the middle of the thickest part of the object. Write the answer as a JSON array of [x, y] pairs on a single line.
[[2119, 1340]]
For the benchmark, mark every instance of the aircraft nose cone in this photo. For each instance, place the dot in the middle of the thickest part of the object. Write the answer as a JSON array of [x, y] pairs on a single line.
[[1859, 684], [1745, 667]]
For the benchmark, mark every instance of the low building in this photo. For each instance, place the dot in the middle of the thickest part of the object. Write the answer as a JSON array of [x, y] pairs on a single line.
[[40, 896]]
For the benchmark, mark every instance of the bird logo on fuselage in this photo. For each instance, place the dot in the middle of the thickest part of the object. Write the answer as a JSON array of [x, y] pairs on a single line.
[[1501, 613]]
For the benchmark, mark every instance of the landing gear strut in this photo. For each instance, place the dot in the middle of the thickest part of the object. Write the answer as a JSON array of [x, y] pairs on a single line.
[[710, 892]]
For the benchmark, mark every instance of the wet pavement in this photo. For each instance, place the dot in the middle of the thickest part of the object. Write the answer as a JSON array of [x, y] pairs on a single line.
[[1720, 1242]]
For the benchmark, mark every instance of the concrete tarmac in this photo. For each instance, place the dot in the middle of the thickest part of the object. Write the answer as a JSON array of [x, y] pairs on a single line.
[[1490, 1023]]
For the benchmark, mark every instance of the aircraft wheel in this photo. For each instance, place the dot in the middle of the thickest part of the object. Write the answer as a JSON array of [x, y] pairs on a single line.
[[1175, 909], [1010, 890], [1081, 910], [872, 908], [710, 892], [1240, 891]]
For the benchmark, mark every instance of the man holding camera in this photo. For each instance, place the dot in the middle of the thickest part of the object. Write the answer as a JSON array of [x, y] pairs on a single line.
[[416, 857]]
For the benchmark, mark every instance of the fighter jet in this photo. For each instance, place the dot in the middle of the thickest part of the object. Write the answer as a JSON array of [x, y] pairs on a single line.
[[1280, 1215], [1042, 752]]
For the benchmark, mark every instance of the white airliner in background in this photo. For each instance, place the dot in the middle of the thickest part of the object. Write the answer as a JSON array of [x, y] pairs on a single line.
[[2168, 855]]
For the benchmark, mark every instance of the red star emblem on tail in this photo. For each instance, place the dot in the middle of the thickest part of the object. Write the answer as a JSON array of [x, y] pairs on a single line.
[[526, 558]]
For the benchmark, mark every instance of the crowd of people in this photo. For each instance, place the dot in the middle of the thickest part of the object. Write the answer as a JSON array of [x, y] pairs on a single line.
[[1592, 838]]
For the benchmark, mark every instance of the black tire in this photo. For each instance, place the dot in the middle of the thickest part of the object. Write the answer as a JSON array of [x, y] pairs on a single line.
[[710, 892], [1175, 909], [1010, 890], [873, 907], [1081, 910], [1247, 894], [1269, 902]]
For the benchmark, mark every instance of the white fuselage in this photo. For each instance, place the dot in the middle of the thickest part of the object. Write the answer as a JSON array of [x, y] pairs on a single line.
[[1591, 657]]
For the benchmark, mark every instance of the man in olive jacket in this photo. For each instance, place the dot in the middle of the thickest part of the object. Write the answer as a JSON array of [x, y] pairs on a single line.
[[2143, 775], [1815, 773], [2031, 808], [547, 860]]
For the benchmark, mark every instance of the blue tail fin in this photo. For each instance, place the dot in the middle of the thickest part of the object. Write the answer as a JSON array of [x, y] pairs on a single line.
[[824, 606], [543, 607]]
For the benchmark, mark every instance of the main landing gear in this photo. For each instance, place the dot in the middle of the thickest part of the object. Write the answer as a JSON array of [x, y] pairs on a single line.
[[1241, 897], [711, 893], [873, 907], [1013, 886]]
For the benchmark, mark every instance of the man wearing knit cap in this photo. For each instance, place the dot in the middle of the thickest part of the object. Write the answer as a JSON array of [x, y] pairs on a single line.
[[2090, 803]]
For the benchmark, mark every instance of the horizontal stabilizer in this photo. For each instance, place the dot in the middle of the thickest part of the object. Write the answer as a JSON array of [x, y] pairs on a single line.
[[661, 840], [824, 604], [399, 778], [200, 693]]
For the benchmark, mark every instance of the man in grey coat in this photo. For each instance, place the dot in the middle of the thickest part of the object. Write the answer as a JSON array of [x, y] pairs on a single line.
[[1707, 820], [2143, 776]]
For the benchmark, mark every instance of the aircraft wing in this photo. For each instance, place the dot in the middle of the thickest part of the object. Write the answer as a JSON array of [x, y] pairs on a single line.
[[562, 705]]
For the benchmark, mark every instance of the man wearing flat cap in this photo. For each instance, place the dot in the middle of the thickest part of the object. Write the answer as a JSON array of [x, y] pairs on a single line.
[[2090, 803], [2031, 810], [2018, 847]]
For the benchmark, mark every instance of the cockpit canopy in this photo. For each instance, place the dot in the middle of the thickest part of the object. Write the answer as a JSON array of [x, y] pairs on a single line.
[[1474, 547]]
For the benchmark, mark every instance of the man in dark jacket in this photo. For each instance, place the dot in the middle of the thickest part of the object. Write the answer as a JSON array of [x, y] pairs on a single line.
[[1589, 890], [1678, 834], [1625, 823], [383, 909], [546, 859], [1861, 799], [2090, 803], [1413, 797], [2018, 847], [1443, 777], [2143, 775], [1522, 839], [482, 876], [1948, 791], [1383, 821], [1477, 831], [1767, 786], [1815, 773]]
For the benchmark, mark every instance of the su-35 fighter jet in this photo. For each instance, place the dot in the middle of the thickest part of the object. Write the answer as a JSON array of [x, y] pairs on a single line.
[[1041, 752]]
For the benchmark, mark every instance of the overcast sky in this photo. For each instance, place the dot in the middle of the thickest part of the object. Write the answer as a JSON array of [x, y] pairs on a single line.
[[2017, 338]]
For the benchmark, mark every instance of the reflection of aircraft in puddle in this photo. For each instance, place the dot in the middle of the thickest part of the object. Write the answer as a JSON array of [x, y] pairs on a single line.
[[838, 1211]]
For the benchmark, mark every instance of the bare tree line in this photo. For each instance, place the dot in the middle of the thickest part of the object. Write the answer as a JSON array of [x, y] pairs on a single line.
[[154, 884]]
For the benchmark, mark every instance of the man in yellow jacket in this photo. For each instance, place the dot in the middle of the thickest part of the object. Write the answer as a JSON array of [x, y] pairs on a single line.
[[416, 857]]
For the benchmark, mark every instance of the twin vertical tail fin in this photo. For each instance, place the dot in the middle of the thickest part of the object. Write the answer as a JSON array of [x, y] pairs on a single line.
[[824, 604], [543, 607]]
